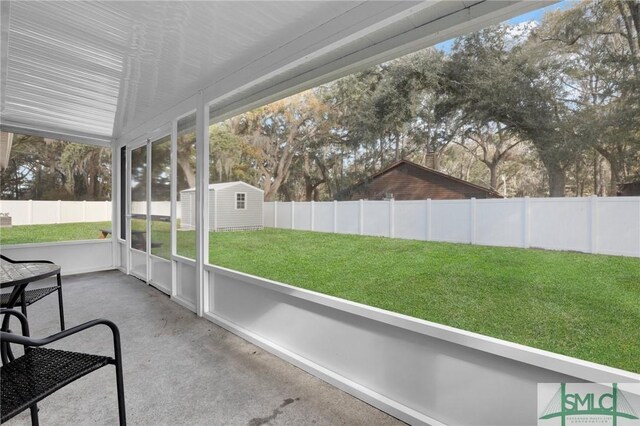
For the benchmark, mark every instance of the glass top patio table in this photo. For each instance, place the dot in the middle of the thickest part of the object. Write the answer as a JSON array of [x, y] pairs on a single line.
[[16, 274]]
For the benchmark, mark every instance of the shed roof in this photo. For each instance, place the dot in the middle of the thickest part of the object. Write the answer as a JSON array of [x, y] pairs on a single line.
[[95, 71], [223, 185], [432, 171]]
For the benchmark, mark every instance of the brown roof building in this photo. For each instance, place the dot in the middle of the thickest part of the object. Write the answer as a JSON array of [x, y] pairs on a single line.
[[405, 180], [629, 189]]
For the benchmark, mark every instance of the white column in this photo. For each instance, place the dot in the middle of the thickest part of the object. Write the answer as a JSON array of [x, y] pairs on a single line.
[[202, 198], [59, 211], [115, 186], [174, 205], [312, 216], [335, 216], [293, 214], [526, 219], [84, 210]]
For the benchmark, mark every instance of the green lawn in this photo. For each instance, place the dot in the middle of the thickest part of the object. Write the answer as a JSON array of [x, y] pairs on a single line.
[[581, 305], [49, 233]]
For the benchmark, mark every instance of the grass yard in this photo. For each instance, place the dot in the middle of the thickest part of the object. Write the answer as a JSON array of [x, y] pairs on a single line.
[[581, 305], [50, 233]]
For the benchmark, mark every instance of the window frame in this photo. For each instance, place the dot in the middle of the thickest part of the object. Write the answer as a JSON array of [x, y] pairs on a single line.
[[244, 201]]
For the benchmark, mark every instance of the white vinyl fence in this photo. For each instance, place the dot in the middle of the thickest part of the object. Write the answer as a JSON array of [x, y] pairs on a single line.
[[45, 212], [33, 212], [590, 224]]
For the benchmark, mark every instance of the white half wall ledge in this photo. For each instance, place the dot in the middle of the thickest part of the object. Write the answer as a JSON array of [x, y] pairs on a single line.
[[411, 368], [74, 257]]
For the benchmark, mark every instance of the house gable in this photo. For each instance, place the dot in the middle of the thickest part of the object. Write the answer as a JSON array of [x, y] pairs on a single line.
[[409, 181]]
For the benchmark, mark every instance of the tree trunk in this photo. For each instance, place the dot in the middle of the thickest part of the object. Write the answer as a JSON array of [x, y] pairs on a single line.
[[189, 173], [493, 171], [557, 179], [616, 167]]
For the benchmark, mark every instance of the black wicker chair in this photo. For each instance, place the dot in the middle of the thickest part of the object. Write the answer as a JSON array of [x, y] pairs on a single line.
[[29, 297], [38, 373]]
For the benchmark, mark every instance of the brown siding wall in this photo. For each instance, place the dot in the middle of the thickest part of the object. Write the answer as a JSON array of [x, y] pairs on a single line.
[[411, 183]]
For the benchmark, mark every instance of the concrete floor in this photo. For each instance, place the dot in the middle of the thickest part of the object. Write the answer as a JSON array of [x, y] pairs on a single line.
[[178, 368]]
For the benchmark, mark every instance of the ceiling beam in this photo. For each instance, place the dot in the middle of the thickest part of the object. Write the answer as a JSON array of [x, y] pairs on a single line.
[[59, 135]]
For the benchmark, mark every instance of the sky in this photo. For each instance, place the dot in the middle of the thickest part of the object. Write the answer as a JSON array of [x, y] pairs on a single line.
[[535, 16]]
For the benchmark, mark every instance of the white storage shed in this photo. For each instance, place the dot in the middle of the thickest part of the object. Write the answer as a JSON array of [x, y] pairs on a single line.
[[232, 206]]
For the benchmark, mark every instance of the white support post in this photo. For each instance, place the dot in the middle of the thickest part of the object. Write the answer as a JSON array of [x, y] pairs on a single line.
[[293, 214], [428, 221], [30, 213], [84, 210], [593, 224], [59, 211], [115, 185], [174, 206], [472, 221], [361, 218], [275, 214], [335, 216], [526, 219], [202, 197], [148, 167], [312, 215], [392, 213]]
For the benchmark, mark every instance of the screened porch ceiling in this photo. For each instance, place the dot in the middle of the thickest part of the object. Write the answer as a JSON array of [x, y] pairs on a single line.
[[93, 71]]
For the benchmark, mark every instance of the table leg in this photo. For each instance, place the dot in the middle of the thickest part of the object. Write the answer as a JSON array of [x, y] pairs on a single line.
[[60, 302]]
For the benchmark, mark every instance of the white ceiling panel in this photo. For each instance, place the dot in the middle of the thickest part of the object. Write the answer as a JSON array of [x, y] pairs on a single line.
[[63, 67], [97, 69]]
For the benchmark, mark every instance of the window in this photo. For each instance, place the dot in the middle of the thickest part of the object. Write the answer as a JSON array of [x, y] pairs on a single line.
[[54, 190], [241, 200]]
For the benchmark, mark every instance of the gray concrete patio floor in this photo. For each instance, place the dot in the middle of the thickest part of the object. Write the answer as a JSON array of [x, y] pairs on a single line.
[[178, 368]]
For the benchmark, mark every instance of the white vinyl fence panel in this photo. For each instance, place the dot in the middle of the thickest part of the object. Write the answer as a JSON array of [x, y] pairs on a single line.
[[348, 213], [561, 226], [500, 222], [283, 216], [612, 221], [378, 218], [410, 220], [268, 210], [33, 212], [450, 221], [302, 214], [590, 224], [323, 216]]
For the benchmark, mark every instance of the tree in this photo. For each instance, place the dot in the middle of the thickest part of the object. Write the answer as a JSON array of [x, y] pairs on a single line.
[[48, 169], [599, 47], [278, 133], [499, 78], [491, 143]]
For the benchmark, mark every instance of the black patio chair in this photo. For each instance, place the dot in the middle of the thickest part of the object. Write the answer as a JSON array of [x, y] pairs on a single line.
[[29, 297], [38, 373]]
